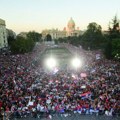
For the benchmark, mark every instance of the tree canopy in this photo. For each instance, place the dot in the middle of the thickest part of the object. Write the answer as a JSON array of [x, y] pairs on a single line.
[[93, 36], [113, 44], [48, 37], [114, 30], [22, 45], [35, 36]]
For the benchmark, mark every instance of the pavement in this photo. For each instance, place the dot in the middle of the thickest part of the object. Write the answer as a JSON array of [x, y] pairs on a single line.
[[73, 117]]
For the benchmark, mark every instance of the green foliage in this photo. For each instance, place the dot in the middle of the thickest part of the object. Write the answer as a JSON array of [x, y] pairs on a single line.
[[116, 47], [22, 45], [25, 44], [36, 37], [112, 47], [10, 40], [48, 37], [63, 40], [114, 31], [108, 50], [93, 36], [73, 40], [70, 39]]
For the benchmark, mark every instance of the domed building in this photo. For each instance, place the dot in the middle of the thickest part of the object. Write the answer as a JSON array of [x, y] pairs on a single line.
[[71, 25], [70, 30]]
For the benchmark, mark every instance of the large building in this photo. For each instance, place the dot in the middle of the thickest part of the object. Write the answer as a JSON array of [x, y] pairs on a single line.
[[3, 34], [69, 31], [55, 33]]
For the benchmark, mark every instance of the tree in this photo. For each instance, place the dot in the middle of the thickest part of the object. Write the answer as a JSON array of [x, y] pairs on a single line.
[[108, 50], [37, 37], [93, 36], [22, 45], [74, 40], [114, 30], [11, 36], [112, 47], [10, 40], [62, 40], [48, 37], [116, 48]]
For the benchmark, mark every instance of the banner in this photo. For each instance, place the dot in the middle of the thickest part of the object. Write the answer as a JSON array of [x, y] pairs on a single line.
[[83, 75]]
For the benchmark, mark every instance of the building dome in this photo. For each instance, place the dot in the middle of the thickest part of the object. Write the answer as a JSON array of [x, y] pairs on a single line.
[[71, 24]]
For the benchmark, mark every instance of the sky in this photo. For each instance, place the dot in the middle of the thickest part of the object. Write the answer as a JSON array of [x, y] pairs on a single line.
[[37, 15]]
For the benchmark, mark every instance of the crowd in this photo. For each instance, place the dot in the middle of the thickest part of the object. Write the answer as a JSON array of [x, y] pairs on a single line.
[[25, 89]]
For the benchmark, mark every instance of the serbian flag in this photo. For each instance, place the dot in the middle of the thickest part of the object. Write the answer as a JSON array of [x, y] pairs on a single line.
[[85, 95]]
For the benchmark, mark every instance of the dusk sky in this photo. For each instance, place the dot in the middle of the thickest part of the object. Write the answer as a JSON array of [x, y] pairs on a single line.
[[28, 15]]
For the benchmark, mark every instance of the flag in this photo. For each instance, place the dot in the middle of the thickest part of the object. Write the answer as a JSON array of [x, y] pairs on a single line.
[[98, 56], [86, 95]]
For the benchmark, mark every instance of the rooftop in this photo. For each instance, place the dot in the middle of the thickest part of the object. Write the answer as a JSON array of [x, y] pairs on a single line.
[[2, 22]]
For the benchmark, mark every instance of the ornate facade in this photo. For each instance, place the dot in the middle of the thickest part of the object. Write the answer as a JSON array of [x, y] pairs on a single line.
[[3, 34], [69, 31]]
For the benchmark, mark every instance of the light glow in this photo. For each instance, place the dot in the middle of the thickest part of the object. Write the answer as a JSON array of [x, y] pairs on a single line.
[[76, 62], [51, 63]]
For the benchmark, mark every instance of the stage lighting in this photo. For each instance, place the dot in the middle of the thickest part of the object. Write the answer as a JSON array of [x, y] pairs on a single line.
[[76, 62], [51, 63]]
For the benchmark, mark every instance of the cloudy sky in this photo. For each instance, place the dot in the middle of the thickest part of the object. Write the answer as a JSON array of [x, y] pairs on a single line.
[[26, 15]]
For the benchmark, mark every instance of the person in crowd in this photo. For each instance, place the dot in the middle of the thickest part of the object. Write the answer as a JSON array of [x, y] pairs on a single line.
[[26, 89]]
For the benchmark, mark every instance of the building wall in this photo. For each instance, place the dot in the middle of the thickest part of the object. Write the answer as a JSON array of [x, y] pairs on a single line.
[[3, 34], [55, 33], [70, 31]]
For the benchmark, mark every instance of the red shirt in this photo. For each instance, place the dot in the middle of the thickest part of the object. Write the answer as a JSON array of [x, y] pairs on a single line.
[[0, 104]]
